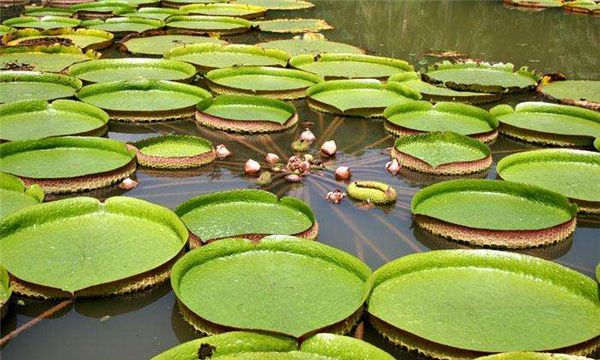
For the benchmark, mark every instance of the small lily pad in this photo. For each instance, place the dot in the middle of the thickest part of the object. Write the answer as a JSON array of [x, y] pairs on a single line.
[[100, 9], [535, 3], [14, 196], [175, 152], [120, 26], [297, 287], [572, 173], [549, 124], [273, 82], [589, 7], [225, 9], [365, 98], [293, 26], [37, 119], [157, 42], [90, 248], [54, 58], [494, 213], [132, 69], [583, 93], [68, 164], [351, 66], [442, 153], [86, 39], [24, 85], [208, 57], [209, 24], [415, 117], [372, 191], [151, 13], [278, 4], [307, 44], [246, 114], [43, 23], [40, 11]]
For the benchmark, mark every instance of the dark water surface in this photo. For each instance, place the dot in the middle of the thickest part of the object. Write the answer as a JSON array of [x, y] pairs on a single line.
[[141, 325]]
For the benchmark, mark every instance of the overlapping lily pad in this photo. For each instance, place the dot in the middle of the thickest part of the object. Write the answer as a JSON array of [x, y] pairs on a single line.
[[179, 3], [5, 29], [584, 93], [136, 3], [365, 98], [589, 7], [68, 164], [494, 213], [40, 11], [246, 114], [201, 24], [120, 26], [144, 100], [24, 85], [248, 345], [251, 214], [310, 44], [151, 13], [549, 124], [435, 93], [267, 81], [293, 26], [513, 299], [297, 287], [442, 153], [225, 9], [351, 66], [83, 247], [157, 42], [100, 9], [132, 69], [53, 58], [43, 23], [37, 119], [14, 195], [415, 117], [87, 39], [481, 77], [208, 57], [175, 152], [572, 173], [5, 292], [278, 4]]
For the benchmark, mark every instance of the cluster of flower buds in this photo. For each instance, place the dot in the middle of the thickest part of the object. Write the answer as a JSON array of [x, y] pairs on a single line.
[[336, 196]]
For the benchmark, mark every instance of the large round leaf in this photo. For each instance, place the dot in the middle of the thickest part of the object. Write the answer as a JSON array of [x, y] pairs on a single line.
[[25, 85], [54, 58], [132, 69], [14, 195]]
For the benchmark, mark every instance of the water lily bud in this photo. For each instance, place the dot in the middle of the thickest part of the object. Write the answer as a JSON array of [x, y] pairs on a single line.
[[308, 157], [293, 178], [329, 148], [342, 173], [336, 196], [272, 159], [128, 184], [393, 167], [265, 178], [222, 151], [251, 167], [307, 135]]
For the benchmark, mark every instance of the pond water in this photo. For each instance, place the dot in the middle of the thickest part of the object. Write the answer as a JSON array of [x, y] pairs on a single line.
[[144, 324]]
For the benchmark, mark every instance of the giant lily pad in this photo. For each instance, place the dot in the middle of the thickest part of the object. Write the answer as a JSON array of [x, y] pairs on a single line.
[[435, 93], [268, 81], [367, 98], [175, 152], [549, 124], [278, 4], [248, 345], [572, 173], [54, 58], [352, 66], [417, 117], [442, 153], [5, 291], [120, 26], [513, 300], [43, 23], [151, 13], [583, 7], [157, 42], [40, 11], [245, 213], [83, 247], [14, 196], [132, 69], [584, 93], [179, 3], [535, 3], [208, 57], [100, 9], [246, 114], [494, 213], [310, 44], [144, 100], [225, 9], [209, 24], [36, 119], [86, 39], [293, 26], [481, 77], [23, 85], [297, 287], [68, 164], [5, 29], [526, 355], [136, 3]]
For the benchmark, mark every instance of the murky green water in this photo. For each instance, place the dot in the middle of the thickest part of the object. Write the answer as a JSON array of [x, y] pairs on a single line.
[[141, 325]]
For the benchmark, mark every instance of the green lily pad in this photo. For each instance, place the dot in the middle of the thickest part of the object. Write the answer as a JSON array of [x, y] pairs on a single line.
[[175, 152], [37, 119], [268, 81], [551, 124], [597, 144], [572, 173], [209, 24], [247, 345], [40, 11], [5, 29], [524, 355], [416, 117], [5, 291], [131, 69], [293, 26], [123, 25], [297, 287], [14, 196], [245, 212], [535, 3], [366, 98], [135, 3], [54, 58], [84, 247], [144, 100], [582, 6], [246, 113], [584, 93], [278, 4], [225, 9], [86, 39], [352, 66], [481, 77], [100, 9], [208, 57], [514, 302], [179, 3], [435, 93], [157, 42], [43, 23], [156, 13], [24, 85], [307, 44]]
